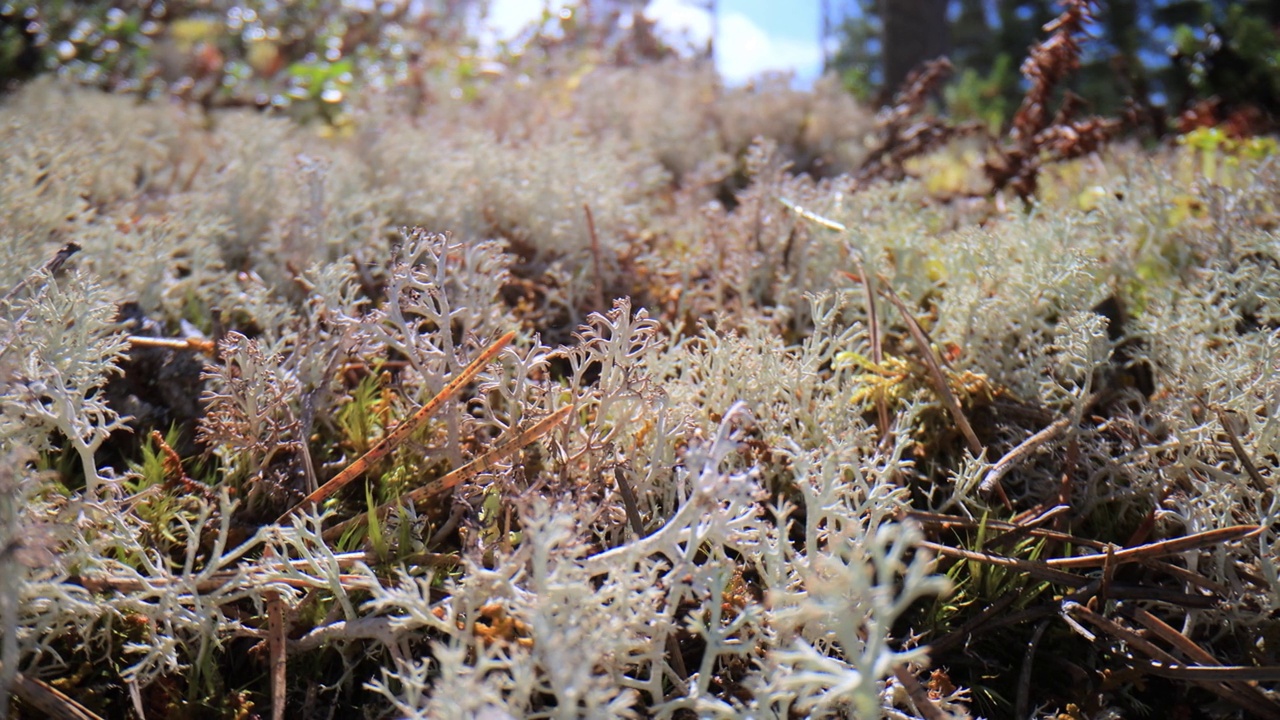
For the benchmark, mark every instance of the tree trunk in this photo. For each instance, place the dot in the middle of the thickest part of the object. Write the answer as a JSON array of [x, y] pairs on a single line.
[[914, 31]]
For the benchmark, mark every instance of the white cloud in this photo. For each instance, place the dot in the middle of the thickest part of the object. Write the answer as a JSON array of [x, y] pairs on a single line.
[[680, 21], [744, 50]]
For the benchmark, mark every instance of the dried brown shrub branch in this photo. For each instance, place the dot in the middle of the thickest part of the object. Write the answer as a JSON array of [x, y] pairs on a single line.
[[1036, 137]]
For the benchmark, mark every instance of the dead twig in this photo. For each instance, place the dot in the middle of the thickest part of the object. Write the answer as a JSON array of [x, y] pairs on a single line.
[[904, 133]]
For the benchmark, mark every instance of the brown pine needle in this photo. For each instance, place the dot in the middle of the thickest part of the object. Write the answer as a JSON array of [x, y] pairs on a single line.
[[466, 472], [940, 381], [207, 347], [876, 338], [1160, 549], [48, 700], [1036, 569], [404, 429], [1217, 679], [1242, 455], [277, 648]]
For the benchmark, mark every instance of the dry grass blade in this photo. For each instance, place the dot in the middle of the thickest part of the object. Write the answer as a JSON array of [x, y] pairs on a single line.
[[629, 501], [596, 257], [876, 338], [1160, 549], [404, 429], [466, 472]]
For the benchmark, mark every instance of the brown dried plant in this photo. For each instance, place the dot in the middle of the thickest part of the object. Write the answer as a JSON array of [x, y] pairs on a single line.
[[1036, 137], [902, 136]]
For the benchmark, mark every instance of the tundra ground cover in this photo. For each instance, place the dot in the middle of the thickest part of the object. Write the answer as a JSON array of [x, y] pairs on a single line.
[[791, 424]]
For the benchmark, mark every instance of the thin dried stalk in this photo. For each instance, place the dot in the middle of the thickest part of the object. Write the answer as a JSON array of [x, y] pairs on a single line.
[[629, 501], [277, 648], [940, 380], [935, 371], [596, 256]]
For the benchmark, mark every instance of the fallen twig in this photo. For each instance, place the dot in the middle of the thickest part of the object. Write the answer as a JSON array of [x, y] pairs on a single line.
[[1018, 454]]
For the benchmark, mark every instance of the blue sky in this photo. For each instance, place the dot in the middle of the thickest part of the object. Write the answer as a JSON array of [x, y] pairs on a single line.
[[752, 36]]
